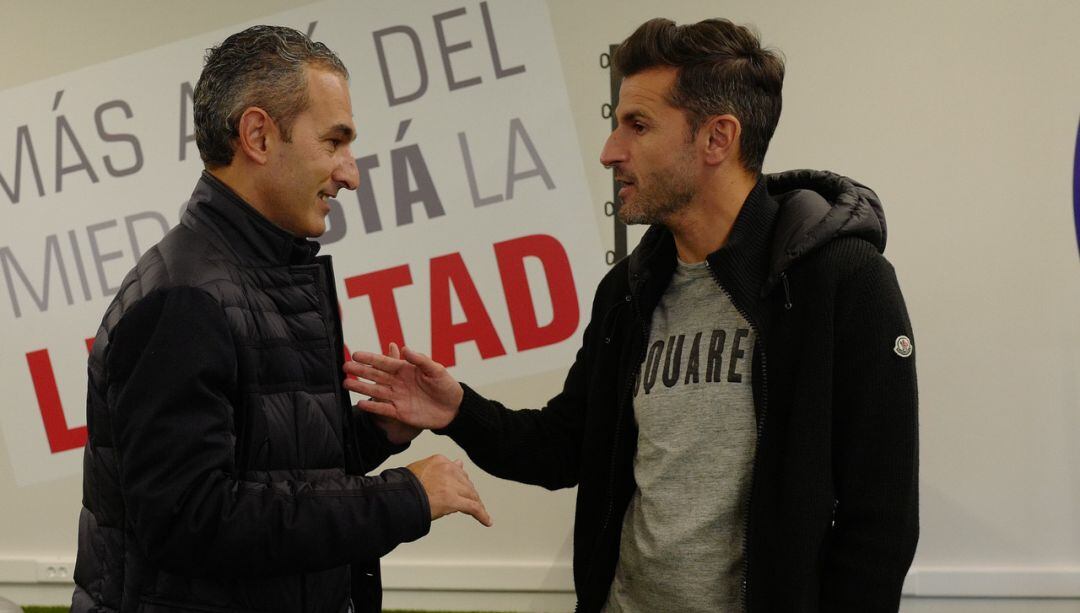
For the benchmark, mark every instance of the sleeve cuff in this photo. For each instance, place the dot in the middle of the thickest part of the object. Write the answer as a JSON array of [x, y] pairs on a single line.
[[473, 416], [423, 521]]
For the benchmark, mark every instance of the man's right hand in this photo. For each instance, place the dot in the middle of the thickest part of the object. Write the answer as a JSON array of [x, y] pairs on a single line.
[[413, 389], [449, 489]]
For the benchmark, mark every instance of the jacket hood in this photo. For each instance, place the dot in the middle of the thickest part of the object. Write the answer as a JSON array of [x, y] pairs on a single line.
[[817, 207], [805, 210]]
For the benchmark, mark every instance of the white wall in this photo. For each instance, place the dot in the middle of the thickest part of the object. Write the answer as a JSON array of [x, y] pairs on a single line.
[[962, 115]]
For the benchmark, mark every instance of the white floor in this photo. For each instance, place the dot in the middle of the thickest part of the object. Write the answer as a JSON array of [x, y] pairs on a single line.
[[982, 605], [561, 602]]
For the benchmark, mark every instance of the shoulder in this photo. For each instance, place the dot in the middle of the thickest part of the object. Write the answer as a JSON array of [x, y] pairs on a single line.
[[183, 267], [862, 283], [183, 258], [165, 319], [616, 278], [614, 286], [845, 260]]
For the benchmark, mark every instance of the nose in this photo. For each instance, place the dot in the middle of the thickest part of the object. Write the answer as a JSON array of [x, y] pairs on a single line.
[[613, 151], [346, 172]]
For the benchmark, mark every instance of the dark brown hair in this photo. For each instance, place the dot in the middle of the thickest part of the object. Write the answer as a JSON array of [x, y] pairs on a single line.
[[263, 66], [722, 69]]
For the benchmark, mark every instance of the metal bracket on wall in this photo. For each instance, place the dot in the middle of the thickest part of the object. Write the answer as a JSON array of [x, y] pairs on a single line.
[[611, 207]]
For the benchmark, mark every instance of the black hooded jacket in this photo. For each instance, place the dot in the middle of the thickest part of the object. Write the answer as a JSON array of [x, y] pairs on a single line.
[[225, 465], [833, 512]]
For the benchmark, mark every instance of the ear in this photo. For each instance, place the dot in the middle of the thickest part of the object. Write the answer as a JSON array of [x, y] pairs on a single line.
[[723, 133], [257, 130]]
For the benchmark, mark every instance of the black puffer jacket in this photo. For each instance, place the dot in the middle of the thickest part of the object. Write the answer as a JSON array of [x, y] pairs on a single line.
[[224, 467], [833, 517]]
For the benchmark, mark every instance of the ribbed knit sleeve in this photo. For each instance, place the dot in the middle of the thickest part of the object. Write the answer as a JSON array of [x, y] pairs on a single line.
[[875, 451]]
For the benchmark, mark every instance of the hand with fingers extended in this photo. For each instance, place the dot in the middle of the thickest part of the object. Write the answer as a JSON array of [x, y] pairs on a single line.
[[397, 432], [413, 389], [449, 489]]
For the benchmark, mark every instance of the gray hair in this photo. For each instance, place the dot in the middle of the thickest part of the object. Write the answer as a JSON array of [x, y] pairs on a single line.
[[262, 66]]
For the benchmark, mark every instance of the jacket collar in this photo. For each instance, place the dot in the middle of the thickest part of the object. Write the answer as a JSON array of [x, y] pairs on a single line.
[[785, 217], [243, 230], [741, 265]]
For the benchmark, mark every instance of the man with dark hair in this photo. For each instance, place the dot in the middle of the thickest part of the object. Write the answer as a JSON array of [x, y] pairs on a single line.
[[741, 417], [225, 468]]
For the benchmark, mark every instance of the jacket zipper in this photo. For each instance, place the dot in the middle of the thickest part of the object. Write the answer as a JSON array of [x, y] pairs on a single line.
[[787, 291], [753, 472], [759, 345], [328, 290], [338, 334], [348, 446], [618, 428]]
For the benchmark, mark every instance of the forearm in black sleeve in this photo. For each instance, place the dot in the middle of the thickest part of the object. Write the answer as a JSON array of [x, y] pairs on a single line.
[[536, 446], [372, 444], [875, 449], [171, 392]]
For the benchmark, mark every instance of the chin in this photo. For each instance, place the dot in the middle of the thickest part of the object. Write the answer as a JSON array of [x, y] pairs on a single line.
[[316, 230], [628, 216], [309, 227]]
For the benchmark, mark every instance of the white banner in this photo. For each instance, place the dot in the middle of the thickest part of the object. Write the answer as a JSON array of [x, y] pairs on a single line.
[[471, 237]]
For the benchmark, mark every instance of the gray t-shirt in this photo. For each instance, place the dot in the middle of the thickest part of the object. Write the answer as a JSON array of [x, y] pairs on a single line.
[[682, 537]]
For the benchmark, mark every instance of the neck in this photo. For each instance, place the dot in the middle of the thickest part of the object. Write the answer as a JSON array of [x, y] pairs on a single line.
[[705, 224]]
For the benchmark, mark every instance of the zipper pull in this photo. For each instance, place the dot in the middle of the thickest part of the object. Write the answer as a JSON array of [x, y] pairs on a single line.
[[787, 291]]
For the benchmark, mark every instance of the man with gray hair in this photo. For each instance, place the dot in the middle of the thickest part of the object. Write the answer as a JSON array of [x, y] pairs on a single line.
[[225, 466]]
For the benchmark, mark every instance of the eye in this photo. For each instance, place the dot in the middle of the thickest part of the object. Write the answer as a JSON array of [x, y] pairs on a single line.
[[638, 127]]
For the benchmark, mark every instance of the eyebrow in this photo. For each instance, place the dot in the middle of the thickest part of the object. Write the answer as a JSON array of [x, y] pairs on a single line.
[[634, 115], [342, 131]]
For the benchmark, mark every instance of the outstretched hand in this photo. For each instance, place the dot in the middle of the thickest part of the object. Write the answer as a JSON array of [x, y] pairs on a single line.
[[413, 389], [397, 432]]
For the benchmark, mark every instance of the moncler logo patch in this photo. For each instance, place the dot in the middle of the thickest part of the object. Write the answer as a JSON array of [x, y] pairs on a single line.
[[903, 347]]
